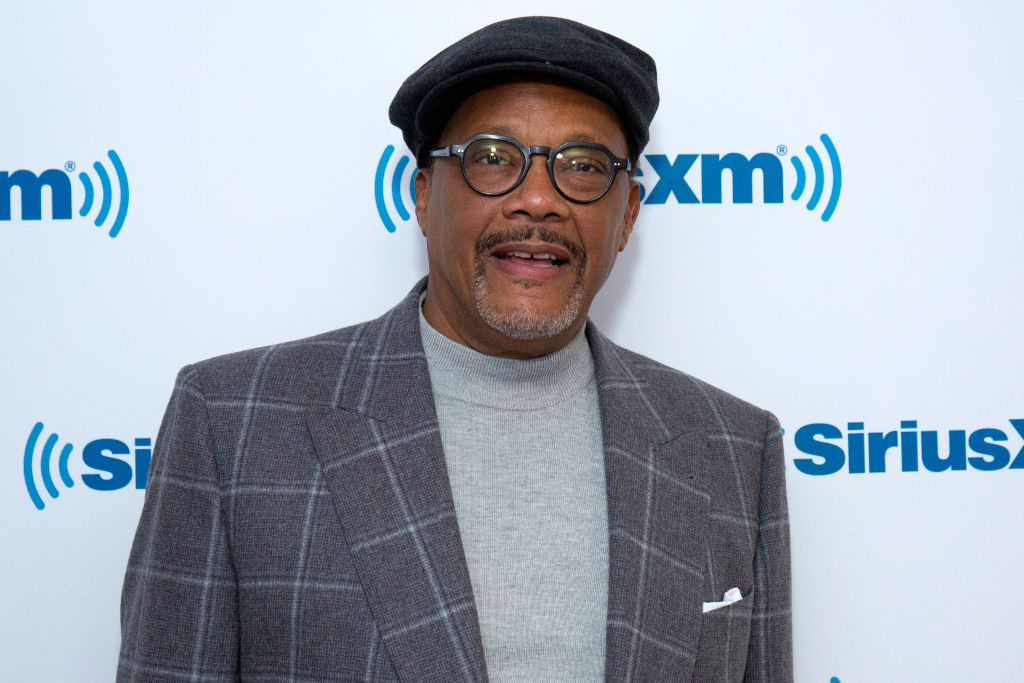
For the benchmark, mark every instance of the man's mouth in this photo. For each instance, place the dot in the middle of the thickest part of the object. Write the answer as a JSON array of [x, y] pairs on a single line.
[[531, 255], [543, 259]]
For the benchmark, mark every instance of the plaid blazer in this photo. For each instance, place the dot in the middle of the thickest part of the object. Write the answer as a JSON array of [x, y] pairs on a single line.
[[298, 523]]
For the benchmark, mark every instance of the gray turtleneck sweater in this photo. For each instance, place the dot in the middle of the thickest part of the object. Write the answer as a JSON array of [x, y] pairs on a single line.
[[522, 441]]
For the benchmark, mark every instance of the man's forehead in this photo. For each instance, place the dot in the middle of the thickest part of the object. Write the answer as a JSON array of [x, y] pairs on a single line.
[[577, 135]]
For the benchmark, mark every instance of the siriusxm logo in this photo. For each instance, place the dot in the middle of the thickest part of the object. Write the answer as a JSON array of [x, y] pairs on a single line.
[[97, 195], [861, 451], [397, 173], [670, 180], [109, 473]]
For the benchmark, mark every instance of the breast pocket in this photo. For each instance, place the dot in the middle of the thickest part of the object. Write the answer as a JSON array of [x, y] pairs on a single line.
[[724, 638]]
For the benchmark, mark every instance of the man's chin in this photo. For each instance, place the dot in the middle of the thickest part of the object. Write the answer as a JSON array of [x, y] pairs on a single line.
[[526, 309], [524, 327], [526, 320]]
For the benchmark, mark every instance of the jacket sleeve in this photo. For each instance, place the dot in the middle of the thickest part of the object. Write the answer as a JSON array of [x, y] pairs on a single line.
[[179, 604], [770, 656]]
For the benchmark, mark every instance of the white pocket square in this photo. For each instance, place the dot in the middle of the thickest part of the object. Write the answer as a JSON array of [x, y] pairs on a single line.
[[732, 595]]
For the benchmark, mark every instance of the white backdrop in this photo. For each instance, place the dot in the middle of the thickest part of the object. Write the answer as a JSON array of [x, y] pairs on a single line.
[[251, 137]]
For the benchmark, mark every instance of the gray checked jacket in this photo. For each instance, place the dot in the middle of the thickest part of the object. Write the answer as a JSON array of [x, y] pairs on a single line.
[[298, 523]]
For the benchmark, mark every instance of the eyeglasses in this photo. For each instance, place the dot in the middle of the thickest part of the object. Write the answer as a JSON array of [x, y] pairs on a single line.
[[494, 165]]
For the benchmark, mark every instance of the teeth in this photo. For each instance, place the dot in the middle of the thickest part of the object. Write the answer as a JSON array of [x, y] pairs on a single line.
[[523, 254]]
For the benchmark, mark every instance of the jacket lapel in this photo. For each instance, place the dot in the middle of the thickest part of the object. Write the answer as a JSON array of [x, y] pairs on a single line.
[[380, 449], [657, 515]]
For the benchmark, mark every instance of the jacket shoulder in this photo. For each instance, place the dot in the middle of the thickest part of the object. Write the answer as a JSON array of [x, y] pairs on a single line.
[[713, 408], [302, 371], [329, 369]]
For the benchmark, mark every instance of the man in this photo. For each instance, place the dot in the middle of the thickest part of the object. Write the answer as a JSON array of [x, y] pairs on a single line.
[[477, 484]]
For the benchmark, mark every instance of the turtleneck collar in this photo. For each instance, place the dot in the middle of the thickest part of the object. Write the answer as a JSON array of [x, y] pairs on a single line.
[[457, 371]]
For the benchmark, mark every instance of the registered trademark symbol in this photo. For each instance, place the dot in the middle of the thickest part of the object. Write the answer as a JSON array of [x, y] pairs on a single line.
[[69, 166], [781, 150]]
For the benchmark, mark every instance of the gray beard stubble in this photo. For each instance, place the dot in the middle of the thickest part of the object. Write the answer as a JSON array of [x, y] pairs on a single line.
[[521, 322]]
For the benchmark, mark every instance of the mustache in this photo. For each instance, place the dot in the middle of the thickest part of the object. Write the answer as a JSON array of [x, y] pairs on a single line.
[[487, 243]]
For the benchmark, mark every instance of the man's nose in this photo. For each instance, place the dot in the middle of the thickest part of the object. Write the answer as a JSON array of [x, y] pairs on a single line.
[[536, 196]]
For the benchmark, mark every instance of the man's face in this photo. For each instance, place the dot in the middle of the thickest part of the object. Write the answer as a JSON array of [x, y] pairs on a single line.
[[494, 285]]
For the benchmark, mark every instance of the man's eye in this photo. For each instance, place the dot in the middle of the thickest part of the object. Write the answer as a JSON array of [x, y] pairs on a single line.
[[494, 156], [496, 159], [499, 160], [585, 165]]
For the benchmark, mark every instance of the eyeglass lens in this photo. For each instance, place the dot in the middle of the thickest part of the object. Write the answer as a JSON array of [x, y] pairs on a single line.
[[495, 166]]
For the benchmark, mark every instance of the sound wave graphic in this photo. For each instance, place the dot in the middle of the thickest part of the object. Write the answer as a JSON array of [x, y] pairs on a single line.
[[45, 469], [819, 177], [106, 194], [396, 183]]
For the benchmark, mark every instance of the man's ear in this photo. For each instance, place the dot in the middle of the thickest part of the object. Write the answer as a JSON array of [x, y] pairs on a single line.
[[422, 185], [632, 209]]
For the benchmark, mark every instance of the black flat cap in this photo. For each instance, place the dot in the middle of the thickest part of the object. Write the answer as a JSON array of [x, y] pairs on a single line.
[[582, 57]]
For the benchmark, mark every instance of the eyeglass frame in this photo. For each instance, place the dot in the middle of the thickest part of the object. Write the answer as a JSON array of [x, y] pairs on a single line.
[[459, 149]]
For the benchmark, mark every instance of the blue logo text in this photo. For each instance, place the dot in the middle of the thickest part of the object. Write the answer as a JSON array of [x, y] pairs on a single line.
[[861, 451], [107, 458], [30, 188]]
